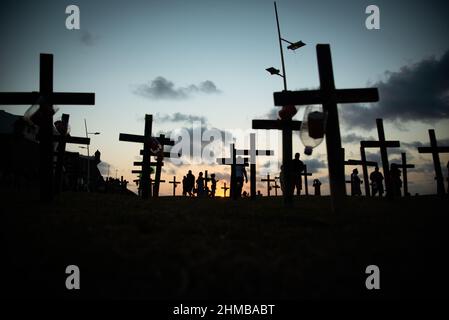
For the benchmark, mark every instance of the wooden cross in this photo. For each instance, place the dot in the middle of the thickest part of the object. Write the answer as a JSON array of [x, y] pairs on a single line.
[[147, 141], [365, 164], [306, 183], [435, 150], [328, 96], [268, 181], [383, 145], [253, 153], [145, 184], [404, 166], [287, 127], [232, 161], [175, 184], [46, 98], [62, 140], [225, 189], [276, 186]]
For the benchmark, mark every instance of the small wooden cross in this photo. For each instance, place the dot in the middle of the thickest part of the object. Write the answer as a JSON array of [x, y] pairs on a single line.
[[306, 182], [328, 96], [435, 150], [225, 189], [175, 185], [46, 98], [268, 181], [383, 145], [276, 186]]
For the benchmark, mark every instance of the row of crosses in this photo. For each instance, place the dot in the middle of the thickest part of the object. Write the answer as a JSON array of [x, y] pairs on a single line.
[[327, 96]]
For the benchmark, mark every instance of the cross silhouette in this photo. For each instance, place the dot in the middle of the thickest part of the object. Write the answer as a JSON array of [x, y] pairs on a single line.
[[268, 181], [435, 150], [383, 145], [306, 182], [225, 189], [175, 185], [46, 98], [328, 96]]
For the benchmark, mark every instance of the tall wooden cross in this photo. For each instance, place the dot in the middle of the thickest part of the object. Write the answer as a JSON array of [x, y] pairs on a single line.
[[46, 98], [329, 97], [383, 145], [232, 161], [146, 139], [268, 181], [175, 185], [62, 140], [364, 164], [253, 153], [276, 186], [435, 150], [306, 182], [404, 166], [148, 143], [287, 127], [225, 189]]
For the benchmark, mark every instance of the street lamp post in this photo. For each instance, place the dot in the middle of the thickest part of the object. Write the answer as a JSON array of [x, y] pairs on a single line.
[[287, 131], [88, 154]]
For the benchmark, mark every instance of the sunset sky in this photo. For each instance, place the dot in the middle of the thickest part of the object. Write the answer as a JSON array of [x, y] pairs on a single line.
[[204, 61]]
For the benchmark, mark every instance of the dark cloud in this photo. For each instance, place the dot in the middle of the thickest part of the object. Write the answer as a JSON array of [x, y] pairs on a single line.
[[180, 117], [416, 92], [314, 165], [88, 39], [355, 138], [163, 89]]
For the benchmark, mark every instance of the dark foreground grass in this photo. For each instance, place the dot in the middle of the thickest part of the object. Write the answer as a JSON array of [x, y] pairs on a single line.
[[202, 248]]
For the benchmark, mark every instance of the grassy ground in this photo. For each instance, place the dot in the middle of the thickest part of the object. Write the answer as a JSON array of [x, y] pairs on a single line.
[[202, 248]]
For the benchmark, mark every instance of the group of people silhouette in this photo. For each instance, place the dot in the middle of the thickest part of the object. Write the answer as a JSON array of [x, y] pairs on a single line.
[[199, 187], [377, 182]]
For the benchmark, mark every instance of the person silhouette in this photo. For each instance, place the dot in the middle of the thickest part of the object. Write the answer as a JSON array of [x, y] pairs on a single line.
[[355, 183], [317, 186], [296, 178], [240, 177], [200, 185], [213, 185], [377, 185], [184, 186], [190, 183], [396, 182]]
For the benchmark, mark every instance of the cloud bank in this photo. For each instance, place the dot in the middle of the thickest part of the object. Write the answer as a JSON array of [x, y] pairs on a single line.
[[162, 89], [417, 92]]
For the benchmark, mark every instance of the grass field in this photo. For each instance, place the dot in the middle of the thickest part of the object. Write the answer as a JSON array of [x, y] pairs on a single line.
[[203, 249]]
